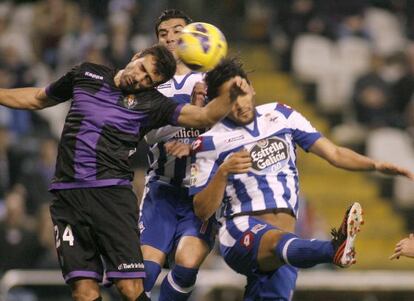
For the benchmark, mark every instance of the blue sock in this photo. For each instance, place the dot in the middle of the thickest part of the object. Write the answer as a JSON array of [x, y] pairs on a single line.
[[304, 253], [152, 269], [178, 284]]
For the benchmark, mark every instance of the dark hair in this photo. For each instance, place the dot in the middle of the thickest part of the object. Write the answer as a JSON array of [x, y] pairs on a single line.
[[225, 70], [171, 14], [165, 63]]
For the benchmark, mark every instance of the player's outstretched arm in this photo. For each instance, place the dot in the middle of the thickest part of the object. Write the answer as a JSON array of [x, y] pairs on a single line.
[[218, 108], [207, 201], [345, 158], [404, 247], [25, 98], [198, 97]]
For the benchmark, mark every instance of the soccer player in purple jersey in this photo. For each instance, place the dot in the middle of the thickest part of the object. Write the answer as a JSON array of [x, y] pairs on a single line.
[[246, 163], [95, 212], [168, 224]]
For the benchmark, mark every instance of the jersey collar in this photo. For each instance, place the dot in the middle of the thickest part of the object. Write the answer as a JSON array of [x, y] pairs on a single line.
[[252, 130], [179, 85]]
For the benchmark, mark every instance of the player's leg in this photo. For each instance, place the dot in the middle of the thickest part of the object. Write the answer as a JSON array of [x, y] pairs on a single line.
[[239, 245], [195, 242], [76, 247], [157, 225], [279, 285], [254, 248], [191, 252], [131, 289], [277, 247], [85, 290], [276, 286], [179, 282], [154, 260], [114, 220]]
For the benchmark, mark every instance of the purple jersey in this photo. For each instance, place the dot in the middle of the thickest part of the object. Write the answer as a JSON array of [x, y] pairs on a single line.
[[103, 127]]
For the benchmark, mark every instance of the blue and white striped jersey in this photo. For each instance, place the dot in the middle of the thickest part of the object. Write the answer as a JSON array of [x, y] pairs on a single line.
[[271, 140], [165, 168]]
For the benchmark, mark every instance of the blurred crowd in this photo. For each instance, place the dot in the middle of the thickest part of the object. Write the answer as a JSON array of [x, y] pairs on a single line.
[[354, 59]]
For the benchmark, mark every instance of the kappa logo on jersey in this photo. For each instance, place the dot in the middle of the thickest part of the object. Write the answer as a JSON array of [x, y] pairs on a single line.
[[95, 76], [166, 85], [129, 101], [236, 138], [270, 153]]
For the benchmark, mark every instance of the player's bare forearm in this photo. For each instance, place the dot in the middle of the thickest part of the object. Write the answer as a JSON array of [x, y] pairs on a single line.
[[25, 98], [215, 110], [207, 201], [345, 158], [348, 159], [341, 157]]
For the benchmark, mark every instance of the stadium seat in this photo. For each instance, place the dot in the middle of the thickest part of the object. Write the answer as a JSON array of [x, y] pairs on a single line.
[[352, 56], [312, 57], [334, 89], [396, 146], [385, 31], [22, 19]]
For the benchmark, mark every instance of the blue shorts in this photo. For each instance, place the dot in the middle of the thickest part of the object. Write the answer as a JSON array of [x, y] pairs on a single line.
[[239, 245], [167, 214]]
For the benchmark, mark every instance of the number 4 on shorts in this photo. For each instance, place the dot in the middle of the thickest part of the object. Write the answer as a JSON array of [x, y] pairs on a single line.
[[67, 235]]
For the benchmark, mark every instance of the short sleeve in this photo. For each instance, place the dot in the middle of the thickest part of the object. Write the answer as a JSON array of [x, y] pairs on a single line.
[[304, 134], [62, 89]]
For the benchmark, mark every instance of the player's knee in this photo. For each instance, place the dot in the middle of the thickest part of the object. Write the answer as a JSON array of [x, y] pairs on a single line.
[[130, 288], [184, 277], [85, 296], [266, 256], [270, 240], [191, 263], [193, 254], [85, 290]]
